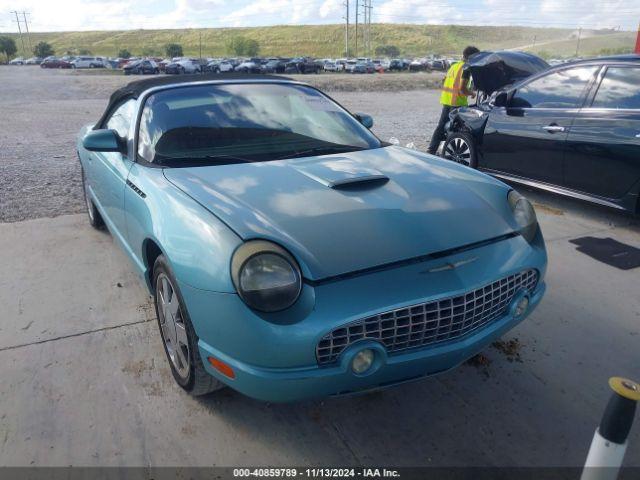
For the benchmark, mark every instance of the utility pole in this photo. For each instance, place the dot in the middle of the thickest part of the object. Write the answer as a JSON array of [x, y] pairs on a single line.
[[370, 7], [357, 10], [367, 24], [578, 44], [200, 46], [346, 29], [26, 26], [19, 31], [364, 27]]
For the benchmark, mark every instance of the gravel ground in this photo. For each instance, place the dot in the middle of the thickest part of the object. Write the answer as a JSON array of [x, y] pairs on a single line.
[[43, 110]]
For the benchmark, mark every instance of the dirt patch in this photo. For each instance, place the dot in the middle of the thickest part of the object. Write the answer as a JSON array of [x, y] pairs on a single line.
[[509, 348], [547, 209], [481, 362], [137, 369], [188, 429]]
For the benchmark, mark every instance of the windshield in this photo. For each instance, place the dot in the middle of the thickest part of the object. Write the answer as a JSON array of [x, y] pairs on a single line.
[[234, 123]]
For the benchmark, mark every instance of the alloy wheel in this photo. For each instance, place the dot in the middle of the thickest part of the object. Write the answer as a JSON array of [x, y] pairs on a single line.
[[174, 331], [459, 151]]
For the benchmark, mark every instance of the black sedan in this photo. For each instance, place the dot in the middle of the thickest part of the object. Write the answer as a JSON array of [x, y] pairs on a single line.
[[141, 67], [364, 67], [573, 129], [275, 66]]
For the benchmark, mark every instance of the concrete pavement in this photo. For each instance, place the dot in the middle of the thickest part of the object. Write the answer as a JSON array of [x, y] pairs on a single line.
[[85, 381]]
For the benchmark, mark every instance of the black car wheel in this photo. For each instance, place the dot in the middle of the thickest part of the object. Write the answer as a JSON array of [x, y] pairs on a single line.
[[460, 148]]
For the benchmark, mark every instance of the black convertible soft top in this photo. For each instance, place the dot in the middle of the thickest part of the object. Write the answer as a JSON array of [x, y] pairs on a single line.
[[135, 89]]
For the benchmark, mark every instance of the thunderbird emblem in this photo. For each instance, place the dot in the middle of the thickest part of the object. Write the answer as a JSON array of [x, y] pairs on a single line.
[[450, 265]]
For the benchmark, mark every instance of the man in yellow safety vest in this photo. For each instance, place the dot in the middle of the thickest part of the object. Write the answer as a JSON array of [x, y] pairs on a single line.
[[455, 90]]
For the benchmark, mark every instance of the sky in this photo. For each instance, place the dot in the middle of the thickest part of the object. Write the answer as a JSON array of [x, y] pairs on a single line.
[[61, 15]]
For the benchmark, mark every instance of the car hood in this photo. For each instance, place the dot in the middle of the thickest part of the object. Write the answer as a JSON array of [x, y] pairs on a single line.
[[347, 212], [492, 71]]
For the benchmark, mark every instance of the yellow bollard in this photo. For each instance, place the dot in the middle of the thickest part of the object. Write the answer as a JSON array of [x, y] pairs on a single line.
[[609, 443]]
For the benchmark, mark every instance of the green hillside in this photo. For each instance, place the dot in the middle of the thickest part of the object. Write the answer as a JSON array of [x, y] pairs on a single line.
[[328, 40], [613, 43]]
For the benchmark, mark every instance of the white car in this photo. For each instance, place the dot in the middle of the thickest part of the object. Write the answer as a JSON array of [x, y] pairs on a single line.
[[220, 66], [88, 62], [248, 66], [17, 61], [185, 65], [350, 65], [330, 67]]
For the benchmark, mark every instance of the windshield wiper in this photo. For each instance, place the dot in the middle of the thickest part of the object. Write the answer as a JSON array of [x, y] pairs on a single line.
[[320, 150], [189, 161]]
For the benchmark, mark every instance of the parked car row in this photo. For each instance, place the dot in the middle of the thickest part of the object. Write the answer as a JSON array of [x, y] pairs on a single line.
[[66, 61], [185, 65]]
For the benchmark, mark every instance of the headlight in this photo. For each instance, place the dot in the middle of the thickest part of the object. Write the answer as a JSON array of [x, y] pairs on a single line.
[[266, 276], [524, 215]]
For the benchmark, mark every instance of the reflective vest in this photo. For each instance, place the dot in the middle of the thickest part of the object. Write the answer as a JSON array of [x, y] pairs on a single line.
[[452, 88]]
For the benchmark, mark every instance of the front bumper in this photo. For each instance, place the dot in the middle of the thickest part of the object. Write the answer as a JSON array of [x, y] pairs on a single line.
[[294, 384], [274, 357]]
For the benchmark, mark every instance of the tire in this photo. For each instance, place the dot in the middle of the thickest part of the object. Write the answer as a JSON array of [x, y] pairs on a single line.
[[95, 219], [460, 148], [194, 379]]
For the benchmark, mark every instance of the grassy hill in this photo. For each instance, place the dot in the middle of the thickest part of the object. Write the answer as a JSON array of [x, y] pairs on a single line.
[[592, 44], [328, 40]]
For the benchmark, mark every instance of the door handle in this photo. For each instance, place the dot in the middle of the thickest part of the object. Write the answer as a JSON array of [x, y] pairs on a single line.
[[553, 128]]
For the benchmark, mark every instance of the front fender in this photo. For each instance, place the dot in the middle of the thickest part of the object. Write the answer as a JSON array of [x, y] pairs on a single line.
[[471, 120], [197, 245]]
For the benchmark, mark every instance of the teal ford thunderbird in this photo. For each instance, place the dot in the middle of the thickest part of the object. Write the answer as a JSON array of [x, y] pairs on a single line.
[[291, 254]]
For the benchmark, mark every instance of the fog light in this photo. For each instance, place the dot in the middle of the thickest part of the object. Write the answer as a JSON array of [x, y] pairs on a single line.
[[521, 306], [362, 361]]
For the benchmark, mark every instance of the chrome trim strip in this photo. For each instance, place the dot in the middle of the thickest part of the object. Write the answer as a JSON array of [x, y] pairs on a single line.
[[554, 189]]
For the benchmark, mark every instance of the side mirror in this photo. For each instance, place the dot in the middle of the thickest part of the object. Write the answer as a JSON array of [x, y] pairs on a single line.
[[501, 100], [364, 119], [104, 141]]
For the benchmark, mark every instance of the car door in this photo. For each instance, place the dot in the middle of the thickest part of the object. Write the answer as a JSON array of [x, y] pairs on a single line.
[[527, 137], [110, 169], [603, 146]]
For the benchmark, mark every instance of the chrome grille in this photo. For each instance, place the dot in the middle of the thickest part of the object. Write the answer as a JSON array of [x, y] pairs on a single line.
[[428, 323]]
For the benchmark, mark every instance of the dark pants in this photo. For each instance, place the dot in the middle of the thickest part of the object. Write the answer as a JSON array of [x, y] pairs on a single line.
[[438, 134]]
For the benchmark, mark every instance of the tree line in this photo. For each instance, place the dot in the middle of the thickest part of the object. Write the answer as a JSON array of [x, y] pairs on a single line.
[[238, 46]]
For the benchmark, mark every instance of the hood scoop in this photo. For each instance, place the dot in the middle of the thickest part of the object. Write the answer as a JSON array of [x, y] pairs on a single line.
[[341, 173]]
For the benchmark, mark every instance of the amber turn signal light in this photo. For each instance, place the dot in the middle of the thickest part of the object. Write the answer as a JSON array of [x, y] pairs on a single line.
[[222, 367]]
